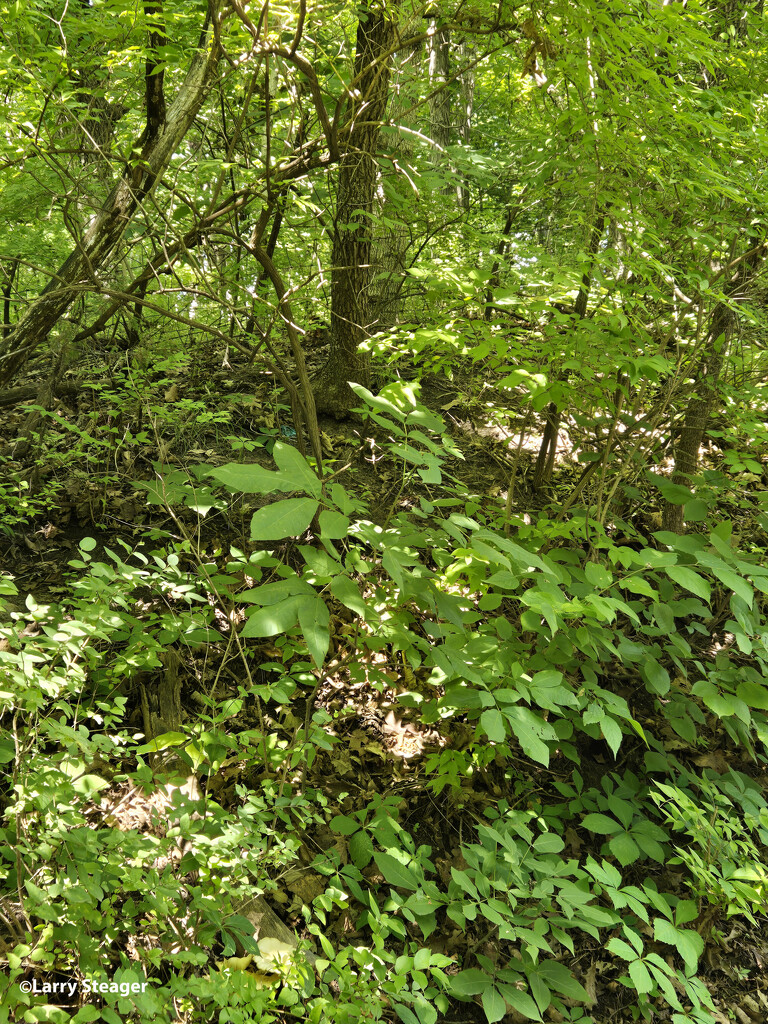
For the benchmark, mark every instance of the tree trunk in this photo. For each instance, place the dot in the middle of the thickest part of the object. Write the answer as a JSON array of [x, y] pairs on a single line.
[[80, 271], [545, 461], [439, 49], [351, 257], [394, 232], [707, 375], [698, 412]]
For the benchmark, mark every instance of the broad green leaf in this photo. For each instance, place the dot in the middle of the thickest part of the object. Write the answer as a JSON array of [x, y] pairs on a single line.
[[406, 1016], [560, 979], [656, 677], [690, 580], [548, 842], [346, 590], [89, 785], [470, 982], [621, 948], [314, 619], [343, 825], [753, 694], [86, 1014], [601, 824], [274, 593], [529, 730], [624, 849], [333, 525], [162, 742], [638, 585], [612, 734], [288, 518], [296, 469], [696, 511], [735, 583], [361, 849], [675, 494], [493, 1005], [719, 704], [641, 979], [521, 1002], [250, 479], [274, 619], [395, 873], [685, 912], [492, 723]]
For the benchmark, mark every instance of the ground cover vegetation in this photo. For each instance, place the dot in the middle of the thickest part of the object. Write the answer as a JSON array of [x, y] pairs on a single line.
[[383, 511]]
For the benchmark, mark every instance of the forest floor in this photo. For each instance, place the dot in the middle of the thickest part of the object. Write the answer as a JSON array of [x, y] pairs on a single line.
[[83, 474]]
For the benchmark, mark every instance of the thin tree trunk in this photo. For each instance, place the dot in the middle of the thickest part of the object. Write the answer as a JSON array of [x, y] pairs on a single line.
[[545, 461]]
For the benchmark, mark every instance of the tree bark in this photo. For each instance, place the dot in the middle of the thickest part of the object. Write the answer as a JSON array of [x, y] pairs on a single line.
[[79, 272], [707, 376], [394, 232], [351, 256]]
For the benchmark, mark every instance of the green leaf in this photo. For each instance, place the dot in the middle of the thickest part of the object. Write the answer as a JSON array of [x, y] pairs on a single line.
[[753, 694], [346, 590], [274, 619], [736, 584], [600, 824], [493, 1004], [685, 912], [612, 734], [162, 742], [696, 511], [333, 525], [297, 470], [89, 785], [620, 948], [470, 982], [529, 729], [395, 873], [361, 849], [492, 723], [624, 849], [406, 1016], [655, 676], [548, 842], [689, 944], [250, 479], [314, 619], [641, 979], [560, 980], [690, 580], [719, 704], [521, 1002], [86, 1014], [288, 518], [675, 494]]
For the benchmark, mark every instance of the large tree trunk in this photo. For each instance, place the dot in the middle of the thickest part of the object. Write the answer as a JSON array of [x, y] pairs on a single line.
[[351, 257], [79, 272], [394, 233]]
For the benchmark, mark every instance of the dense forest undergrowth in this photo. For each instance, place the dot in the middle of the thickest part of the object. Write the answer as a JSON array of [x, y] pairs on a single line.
[[491, 760], [383, 513]]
